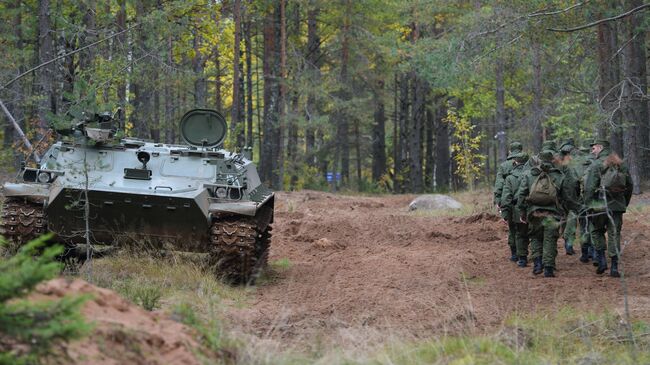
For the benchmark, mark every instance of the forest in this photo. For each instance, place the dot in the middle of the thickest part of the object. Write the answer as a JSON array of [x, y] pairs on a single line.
[[367, 95]]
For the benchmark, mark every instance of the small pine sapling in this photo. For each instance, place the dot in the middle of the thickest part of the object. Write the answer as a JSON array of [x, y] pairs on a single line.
[[28, 328]]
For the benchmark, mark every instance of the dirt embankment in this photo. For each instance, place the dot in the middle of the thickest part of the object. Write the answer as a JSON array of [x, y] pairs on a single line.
[[364, 265], [123, 333]]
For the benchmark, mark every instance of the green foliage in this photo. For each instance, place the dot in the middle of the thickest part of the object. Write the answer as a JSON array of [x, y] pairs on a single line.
[[465, 147], [146, 295], [210, 330], [28, 328]]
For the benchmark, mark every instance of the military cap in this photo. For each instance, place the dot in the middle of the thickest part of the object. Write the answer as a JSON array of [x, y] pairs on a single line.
[[549, 145], [567, 146], [520, 157], [516, 146], [602, 142], [546, 156]]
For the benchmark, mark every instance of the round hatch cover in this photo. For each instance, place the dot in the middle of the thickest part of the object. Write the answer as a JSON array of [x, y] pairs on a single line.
[[203, 128]]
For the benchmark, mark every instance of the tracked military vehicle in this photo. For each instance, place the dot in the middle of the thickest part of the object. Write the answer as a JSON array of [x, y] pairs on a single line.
[[195, 197]]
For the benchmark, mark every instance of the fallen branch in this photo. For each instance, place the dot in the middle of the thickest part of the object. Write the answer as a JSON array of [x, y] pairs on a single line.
[[20, 132]]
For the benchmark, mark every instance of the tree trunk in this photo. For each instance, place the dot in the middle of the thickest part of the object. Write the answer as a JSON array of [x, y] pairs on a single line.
[[198, 66], [15, 105], [397, 166], [236, 127], [170, 121], [88, 10], [357, 152], [635, 106], [140, 85], [443, 154], [636, 74], [608, 87], [120, 40], [500, 111], [270, 158], [343, 145], [379, 134], [313, 71], [249, 78], [429, 159], [46, 87], [218, 103], [415, 135], [536, 117], [403, 131]]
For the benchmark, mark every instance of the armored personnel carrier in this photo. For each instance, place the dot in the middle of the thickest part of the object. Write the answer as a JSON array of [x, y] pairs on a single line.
[[195, 197]]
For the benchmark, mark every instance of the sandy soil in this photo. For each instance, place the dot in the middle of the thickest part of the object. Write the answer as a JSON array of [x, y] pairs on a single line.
[[123, 333], [362, 266]]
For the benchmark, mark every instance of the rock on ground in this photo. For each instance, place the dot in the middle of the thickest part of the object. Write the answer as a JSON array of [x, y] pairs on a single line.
[[434, 201]]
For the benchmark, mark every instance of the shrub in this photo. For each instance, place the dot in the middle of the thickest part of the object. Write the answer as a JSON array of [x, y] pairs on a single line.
[[28, 328]]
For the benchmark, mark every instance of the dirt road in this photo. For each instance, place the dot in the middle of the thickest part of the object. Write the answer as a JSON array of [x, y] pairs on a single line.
[[360, 266]]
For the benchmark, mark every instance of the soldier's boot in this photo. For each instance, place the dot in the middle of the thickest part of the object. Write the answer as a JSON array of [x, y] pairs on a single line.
[[592, 254], [568, 247], [613, 272], [602, 261], [584, 257], [537, 266], [513, 254], [548, 272], [523, 261]]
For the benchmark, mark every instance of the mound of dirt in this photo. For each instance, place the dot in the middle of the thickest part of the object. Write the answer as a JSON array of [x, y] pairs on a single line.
[[123, 333]]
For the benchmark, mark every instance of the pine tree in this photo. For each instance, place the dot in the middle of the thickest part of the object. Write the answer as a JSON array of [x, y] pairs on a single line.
[[28, 328]]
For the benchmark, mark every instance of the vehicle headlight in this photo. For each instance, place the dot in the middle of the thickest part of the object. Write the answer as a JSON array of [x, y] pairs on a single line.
[[44, 177], [221, 193]]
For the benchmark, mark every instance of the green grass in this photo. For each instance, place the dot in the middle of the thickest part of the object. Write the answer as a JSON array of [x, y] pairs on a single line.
[[162, 283], [281, 264], [562, 337]]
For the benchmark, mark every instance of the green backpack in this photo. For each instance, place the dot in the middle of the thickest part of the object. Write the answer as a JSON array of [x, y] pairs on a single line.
[[543, 192], [613, 179]]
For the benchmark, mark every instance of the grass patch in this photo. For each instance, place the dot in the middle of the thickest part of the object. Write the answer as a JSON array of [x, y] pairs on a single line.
[[281, 264], [562, 337], [162, 283]]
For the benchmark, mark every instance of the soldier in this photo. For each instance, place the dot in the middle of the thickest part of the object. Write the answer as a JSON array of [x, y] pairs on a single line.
[[502, 172], [586, 246], [608, 190], [538, 199], [571, 162], [509, 211], [549, 146], [504, 169]]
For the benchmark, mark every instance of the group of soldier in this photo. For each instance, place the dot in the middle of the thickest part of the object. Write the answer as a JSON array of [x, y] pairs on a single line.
[[563, 192]]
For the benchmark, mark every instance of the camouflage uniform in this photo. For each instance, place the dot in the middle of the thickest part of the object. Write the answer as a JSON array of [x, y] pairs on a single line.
[[504, 169], [544, 221], [606, 208], [581, 162], [571, 167], [509, 210], [549, 146]]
